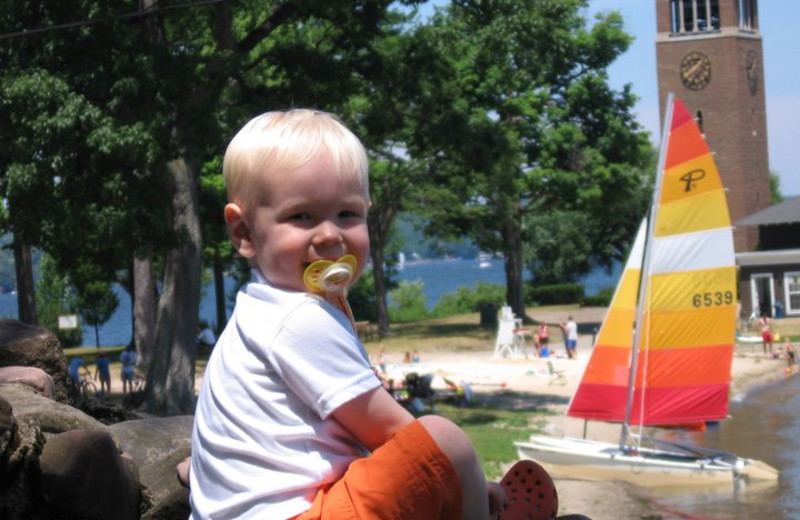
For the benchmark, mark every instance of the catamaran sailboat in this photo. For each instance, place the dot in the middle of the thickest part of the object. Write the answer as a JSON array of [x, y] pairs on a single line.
[[676, 303]]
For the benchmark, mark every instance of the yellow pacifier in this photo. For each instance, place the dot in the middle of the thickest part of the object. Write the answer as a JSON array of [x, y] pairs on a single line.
[[327, 276], [331, 279]]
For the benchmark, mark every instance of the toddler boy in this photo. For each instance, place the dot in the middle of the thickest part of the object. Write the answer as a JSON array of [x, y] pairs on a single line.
[[291, 420]]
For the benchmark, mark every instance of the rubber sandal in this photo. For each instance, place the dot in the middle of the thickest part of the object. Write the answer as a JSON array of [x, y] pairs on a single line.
[[530, 493]]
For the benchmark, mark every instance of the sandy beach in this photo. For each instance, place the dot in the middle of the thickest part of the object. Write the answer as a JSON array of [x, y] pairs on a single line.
[[527, 382]]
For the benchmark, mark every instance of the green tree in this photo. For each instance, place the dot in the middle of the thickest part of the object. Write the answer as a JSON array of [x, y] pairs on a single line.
[[408, 301], [110, 140], [97, 303], [56, 297], [775, 189], [558, 249], [528, 125]]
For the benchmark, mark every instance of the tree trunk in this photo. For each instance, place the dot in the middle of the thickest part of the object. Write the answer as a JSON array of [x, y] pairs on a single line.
[[379, 278], [512, 238], [26, 293], [144, 309], [170, 380]]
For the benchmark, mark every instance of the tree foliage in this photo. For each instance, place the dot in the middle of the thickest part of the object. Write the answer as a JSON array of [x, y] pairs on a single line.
[[97, 304], [113, 127], [528, 124], [112, 132], [56, 297]]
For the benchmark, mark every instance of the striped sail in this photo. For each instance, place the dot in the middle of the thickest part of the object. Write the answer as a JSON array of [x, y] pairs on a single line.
[[687, 330]]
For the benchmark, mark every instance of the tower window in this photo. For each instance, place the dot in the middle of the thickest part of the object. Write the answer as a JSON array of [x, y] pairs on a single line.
[[693, 16], [747, 13]]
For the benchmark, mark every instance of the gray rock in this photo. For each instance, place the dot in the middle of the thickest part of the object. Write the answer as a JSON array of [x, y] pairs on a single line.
[[58, 462], [8, 428], [21, 448], [84, 475], [50, 416], [157, 445], [26, 345]]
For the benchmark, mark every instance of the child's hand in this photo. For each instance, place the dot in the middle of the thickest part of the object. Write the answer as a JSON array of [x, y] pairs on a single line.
[[182, 470], [497, 500]]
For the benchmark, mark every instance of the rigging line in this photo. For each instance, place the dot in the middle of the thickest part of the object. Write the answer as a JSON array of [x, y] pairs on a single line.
[[126, 16]]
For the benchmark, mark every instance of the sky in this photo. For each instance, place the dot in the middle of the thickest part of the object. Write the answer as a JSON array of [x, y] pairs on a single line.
[[778, 23]]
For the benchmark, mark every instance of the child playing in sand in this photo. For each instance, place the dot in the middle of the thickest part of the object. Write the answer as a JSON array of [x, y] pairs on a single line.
[[791, 356], [291, 421]]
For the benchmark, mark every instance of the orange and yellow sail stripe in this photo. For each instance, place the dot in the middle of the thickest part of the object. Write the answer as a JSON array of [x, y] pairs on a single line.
[[688, 320]]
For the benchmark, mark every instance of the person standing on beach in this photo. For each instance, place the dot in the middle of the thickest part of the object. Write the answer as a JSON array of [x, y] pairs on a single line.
[[129, 358], [383, 360], [766, 334], [76, 366], [791, 355], [103, 371], [570, 329]]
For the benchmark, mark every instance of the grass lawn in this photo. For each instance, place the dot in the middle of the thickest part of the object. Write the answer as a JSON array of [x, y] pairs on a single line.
[[492, 431]]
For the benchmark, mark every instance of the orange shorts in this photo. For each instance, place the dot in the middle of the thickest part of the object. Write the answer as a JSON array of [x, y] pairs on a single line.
[[408, 477]]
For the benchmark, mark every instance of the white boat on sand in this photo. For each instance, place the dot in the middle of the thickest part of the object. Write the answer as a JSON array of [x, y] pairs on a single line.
[[664, 352], [674, 465]]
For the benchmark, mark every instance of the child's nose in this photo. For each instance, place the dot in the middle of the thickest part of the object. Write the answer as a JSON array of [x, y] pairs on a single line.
[[328, 233]]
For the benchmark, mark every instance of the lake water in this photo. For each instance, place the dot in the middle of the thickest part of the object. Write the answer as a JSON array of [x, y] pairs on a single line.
[[763, 425], [439, 277]]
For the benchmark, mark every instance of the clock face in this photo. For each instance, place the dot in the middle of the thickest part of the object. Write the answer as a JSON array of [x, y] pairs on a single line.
[[751, 66], [695, 70]]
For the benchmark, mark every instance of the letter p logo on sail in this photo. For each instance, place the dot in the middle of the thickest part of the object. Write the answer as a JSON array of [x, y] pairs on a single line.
[[691, 178]]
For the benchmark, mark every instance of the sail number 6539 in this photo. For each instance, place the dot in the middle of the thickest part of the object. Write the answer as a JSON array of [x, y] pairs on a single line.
[[712, 299]]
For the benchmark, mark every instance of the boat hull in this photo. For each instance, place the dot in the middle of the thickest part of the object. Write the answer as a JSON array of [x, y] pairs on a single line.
[[593, 460]]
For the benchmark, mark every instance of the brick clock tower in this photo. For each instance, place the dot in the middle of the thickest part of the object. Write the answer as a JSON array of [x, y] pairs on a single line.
[[709, 53]]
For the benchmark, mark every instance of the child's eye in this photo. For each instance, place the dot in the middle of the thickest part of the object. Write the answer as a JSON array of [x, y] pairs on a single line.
[[300, 216], [348, 214]]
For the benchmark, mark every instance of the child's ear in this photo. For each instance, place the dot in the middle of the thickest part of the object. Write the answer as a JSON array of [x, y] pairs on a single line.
[[238, 230]]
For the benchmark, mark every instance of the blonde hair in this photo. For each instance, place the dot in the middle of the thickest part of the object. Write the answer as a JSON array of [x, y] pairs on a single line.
[[282, 141]]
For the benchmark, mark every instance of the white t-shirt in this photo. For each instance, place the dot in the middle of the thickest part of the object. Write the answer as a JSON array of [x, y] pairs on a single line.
[[572, 330], [263, 440]]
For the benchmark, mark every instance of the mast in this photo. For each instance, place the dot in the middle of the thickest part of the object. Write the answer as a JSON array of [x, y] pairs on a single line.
[[644, 275]]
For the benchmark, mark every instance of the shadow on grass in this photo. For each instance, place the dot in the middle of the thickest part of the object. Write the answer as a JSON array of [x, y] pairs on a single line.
[[520, 401], [429, 329]]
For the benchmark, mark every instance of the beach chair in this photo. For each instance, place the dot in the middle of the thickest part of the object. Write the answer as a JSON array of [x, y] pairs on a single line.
[[506, 342]]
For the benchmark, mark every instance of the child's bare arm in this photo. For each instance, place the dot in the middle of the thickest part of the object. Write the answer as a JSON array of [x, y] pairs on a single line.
[[372, 417]]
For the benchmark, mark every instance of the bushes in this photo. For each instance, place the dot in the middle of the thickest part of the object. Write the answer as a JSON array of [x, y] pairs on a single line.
[[601, 299], [466, 300], [408, 301], [559, 294]]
